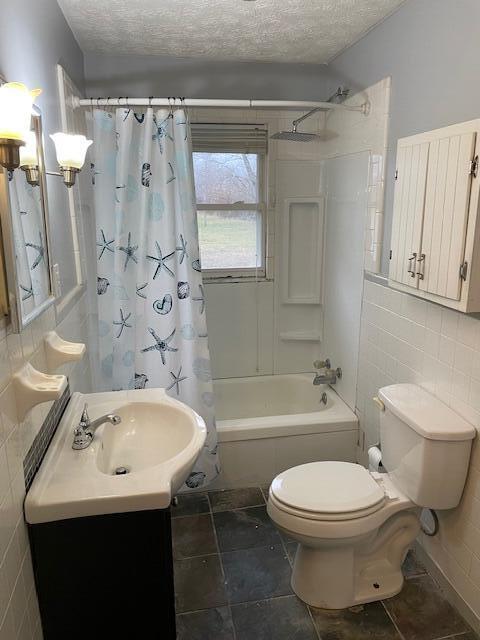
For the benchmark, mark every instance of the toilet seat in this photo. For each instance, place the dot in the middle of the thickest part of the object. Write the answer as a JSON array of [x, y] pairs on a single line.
[[328, 491], [337, 525]]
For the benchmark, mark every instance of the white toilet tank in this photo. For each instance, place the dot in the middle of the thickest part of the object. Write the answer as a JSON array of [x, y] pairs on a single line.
[[425, 446]]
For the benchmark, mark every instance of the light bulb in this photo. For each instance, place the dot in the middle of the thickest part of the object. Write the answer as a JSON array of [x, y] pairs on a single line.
[[71, 149], [16, 103], [28, 153]]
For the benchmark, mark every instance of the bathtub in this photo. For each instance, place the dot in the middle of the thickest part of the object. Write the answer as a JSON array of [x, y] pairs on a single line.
[[267, 424]]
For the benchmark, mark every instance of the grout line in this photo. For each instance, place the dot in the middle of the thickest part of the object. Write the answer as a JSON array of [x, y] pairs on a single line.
[[264, 494], [393, 621], [235, 604], [191, 515], [201, 555], [313, 622], [222, 569], [455, 635], [233, 624], [249, 506], [288, 595]]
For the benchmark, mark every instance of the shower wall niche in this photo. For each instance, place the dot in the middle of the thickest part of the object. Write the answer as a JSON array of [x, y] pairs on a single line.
[[303, 220]]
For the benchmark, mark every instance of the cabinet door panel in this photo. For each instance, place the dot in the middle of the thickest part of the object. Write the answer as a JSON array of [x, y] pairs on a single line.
[[408, 212], [446, 213]]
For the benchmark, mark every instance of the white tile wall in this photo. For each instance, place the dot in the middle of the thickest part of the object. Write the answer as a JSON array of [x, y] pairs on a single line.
[[19, 615], [405, 339], [359, 132]]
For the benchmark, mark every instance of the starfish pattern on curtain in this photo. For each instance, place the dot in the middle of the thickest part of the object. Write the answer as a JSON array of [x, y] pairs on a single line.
[[151, 306]]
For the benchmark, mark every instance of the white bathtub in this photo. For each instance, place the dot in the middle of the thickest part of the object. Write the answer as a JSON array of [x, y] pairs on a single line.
[[267, 424]]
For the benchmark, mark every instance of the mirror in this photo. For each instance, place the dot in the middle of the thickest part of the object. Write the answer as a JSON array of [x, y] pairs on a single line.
[[24, 217]]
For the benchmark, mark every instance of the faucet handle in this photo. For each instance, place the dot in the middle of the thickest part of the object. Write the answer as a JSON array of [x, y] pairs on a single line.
[[85, 419], [322, 364]]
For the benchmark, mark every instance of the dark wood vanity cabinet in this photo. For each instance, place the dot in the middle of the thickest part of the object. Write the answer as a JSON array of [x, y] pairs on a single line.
[[105, 577]]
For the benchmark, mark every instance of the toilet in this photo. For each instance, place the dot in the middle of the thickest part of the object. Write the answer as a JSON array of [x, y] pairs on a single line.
[[354, 526]]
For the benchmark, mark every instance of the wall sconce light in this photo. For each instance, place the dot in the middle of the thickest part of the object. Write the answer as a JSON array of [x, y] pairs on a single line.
[[29, 159], [16, 103], [71, 151]]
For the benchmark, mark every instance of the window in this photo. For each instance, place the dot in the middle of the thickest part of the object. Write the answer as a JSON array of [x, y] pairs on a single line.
[[229, 181]]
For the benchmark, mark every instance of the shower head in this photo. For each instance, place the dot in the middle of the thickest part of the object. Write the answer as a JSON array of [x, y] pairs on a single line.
[[294, 136], [299, 136]]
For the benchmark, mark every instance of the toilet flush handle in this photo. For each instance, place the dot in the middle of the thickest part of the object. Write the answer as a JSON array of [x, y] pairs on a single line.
[[379, 403]]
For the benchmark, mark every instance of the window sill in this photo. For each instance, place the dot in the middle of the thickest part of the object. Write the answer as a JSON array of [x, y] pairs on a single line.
[[234, 279]]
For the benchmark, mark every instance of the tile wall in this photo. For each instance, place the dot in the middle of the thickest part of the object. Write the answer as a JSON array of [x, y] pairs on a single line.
[[359, 132], [19, 615], [406, 339]]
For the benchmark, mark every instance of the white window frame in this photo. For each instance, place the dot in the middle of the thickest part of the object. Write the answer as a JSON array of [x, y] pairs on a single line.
[[251, 273]]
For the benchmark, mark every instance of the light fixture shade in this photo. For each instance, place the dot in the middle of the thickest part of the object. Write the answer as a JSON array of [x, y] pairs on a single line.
[[71, 149], [28, 153], [16, 103]]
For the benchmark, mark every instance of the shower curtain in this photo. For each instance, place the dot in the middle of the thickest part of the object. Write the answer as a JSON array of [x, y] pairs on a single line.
[[151, 302]]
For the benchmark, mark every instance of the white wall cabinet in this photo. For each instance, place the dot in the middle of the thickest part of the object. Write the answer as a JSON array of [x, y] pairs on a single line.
[[435, 249]]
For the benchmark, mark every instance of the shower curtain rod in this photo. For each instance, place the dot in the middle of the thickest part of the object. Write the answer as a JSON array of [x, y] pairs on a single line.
[[227, 104]]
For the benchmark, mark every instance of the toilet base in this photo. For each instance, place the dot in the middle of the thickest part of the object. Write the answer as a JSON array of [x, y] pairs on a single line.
[[336, 577], [320, 582]]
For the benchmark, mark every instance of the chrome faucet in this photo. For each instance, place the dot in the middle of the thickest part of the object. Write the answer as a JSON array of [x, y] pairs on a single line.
[[329, 375], [84, 432]]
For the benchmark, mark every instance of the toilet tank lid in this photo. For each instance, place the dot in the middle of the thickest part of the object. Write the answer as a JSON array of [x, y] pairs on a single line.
[[424, 413]]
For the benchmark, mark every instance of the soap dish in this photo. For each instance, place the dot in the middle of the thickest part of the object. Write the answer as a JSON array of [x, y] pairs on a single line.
[[33, 387], [59, 351]]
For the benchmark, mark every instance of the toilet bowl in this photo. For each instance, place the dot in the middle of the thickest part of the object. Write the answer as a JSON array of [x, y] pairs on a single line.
[[354, 527]]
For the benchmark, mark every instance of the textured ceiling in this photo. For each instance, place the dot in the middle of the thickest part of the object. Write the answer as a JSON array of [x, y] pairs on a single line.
[[264, 30]]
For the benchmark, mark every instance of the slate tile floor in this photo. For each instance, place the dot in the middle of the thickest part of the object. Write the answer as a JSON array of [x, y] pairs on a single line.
[[232, 582]]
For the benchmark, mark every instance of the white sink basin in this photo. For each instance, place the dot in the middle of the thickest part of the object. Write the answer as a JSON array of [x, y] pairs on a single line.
[[157, 443]]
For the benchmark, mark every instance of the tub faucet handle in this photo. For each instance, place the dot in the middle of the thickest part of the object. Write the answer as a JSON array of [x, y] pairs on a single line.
[[322, 364]]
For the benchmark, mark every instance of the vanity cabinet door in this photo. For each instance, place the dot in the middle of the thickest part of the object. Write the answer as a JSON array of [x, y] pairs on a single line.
[[446, 215], [410, 186]]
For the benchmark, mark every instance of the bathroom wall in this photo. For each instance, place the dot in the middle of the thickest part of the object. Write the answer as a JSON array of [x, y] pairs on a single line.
[[34, 37], [140, 76], [406, 339], [430, 50]]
